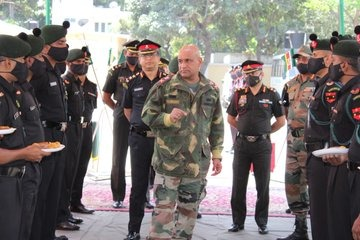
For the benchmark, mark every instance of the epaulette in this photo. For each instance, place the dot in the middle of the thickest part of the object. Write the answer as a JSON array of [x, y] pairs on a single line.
[[162, 74], [271, 89], [125, 81], [164, 80], [116, 66], [213, 84]]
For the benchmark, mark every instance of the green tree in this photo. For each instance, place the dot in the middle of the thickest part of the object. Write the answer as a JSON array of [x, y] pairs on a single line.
[[20, 12]]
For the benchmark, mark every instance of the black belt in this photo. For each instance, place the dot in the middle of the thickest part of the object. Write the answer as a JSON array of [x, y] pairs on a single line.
[[57, 125], [12, 171], [353, 166], [76, 119], [253, 138], [313, 146], [141, 132], [299, 132]]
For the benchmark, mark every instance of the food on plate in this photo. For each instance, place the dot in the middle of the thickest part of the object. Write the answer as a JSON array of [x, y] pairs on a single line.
[[50, 144]]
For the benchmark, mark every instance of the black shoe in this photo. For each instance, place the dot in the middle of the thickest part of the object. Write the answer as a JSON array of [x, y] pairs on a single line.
[[118, 204], [132, 236], [236, 228], [67, 226], [263, 229], [74, 220], [81, 209], [199, 215], [148, 205], [62, 237]]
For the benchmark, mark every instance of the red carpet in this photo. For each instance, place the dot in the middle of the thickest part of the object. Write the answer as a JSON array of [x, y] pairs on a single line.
[[98, 195]]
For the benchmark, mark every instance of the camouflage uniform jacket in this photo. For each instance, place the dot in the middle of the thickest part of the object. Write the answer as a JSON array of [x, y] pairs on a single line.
[[183, 149], [296, 97]]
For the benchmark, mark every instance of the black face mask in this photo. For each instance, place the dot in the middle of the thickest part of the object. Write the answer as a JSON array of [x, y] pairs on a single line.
[[252, 80], [335, 72], [59, 54], [38, 67], [302, 68], [315, 64], [61, 67], [20, 71], [132, 60], [79, 69]]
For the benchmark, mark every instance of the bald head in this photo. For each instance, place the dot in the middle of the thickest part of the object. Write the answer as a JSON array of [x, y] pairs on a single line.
[[191, 48], [189, 63]]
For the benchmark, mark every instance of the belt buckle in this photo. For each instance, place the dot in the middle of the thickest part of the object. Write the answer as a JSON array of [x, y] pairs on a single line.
[[63, 126], [84, 124], [22, 171], [251, 138]]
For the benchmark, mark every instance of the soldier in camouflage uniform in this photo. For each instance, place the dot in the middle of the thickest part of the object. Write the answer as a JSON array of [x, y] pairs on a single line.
[[185, 114], [296, 97], [141, 139]]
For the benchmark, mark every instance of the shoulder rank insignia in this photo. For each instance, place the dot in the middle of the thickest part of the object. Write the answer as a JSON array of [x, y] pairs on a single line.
[[126, 81], [162, 74], [271, 89], [214, 85], [164, 80]]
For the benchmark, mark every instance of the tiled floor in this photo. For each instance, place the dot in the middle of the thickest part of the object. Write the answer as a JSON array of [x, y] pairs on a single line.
[[113, 226]]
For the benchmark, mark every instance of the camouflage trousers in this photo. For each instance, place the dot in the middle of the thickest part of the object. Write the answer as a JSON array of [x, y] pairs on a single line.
[[176, 207], [295, 176]]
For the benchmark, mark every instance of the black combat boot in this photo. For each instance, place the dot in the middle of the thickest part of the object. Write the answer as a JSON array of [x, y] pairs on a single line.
[[300, 232]]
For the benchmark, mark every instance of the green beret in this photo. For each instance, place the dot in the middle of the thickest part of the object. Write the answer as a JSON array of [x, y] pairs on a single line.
[[76, 53], [36, 42], [52, 33], [13, 47], [347, 48], [319, 44], [174, 65]]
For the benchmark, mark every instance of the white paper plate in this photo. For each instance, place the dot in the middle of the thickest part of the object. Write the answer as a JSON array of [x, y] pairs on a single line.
[[332, 150], [7, 131], [53, 149]]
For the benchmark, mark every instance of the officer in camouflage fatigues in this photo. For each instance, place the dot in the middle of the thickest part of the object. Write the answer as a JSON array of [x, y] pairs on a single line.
[[185, 114], [296, 97]]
